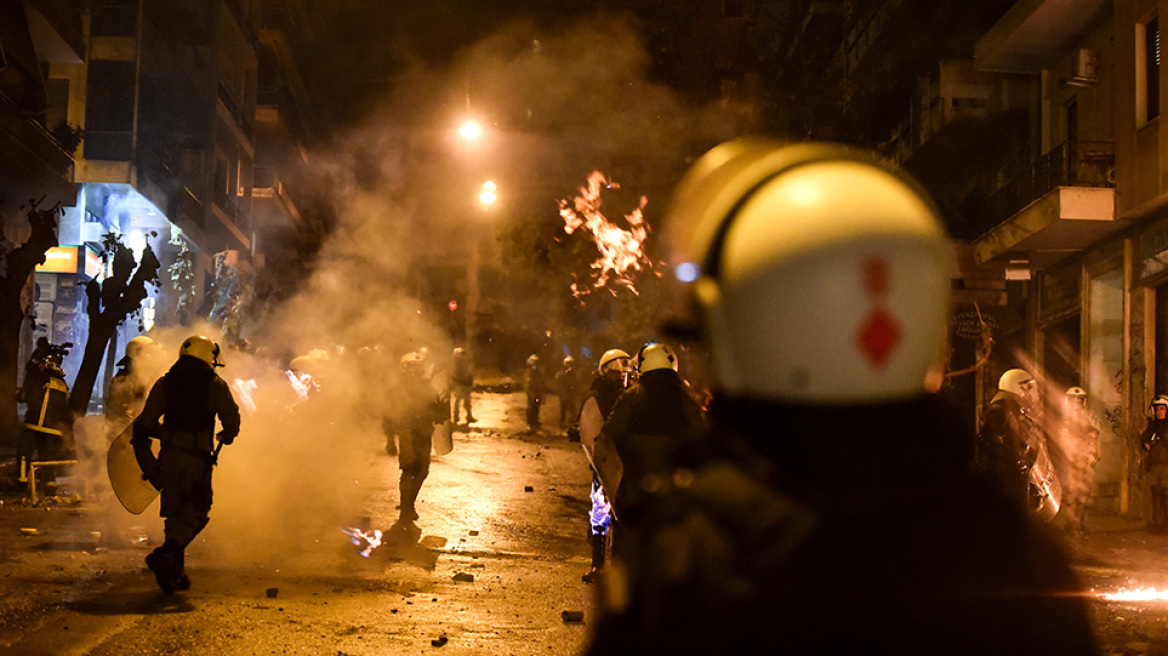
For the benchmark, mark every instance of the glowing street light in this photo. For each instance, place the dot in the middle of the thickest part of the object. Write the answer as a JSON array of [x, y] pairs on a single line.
[[470, 130], [488, 193]]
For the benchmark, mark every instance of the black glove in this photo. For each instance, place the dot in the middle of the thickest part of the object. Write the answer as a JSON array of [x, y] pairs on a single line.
[[154, 477], [226, 440]]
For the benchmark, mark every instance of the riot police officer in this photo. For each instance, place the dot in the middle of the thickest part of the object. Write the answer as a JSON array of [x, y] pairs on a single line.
[[180, 412], [842, 514]]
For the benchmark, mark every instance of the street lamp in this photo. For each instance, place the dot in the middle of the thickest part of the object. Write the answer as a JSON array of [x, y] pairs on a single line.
[[488, 196], [488, 193], [470, 130]]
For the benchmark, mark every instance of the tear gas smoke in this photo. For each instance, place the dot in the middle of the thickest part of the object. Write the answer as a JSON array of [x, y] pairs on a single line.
[[404, 198]]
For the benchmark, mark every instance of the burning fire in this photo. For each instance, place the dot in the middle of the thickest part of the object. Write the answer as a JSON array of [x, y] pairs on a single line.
[[601, 513], [371, 539], [1138, 594], [302, 383], [622, 252], [244, 390]]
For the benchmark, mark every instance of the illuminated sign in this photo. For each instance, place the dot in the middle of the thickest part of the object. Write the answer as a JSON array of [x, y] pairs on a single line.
[[94, 267], [59, 259]]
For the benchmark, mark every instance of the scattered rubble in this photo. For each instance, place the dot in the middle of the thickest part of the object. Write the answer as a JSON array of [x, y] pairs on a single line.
[[572, 616], [462, 577]]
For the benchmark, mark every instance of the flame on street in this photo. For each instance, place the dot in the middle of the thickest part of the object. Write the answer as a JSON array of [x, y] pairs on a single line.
[[244, 390], [1138, 594], [302, 383], [372, 539], [621, 252]]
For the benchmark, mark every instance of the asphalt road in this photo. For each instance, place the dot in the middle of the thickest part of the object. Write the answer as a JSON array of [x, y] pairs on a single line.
[[490, 567]]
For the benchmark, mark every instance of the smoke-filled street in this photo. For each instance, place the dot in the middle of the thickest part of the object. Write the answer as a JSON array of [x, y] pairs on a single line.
[[493, 566]]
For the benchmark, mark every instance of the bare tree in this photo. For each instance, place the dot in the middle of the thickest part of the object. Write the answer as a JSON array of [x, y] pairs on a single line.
[[18, 263], [108, 305]]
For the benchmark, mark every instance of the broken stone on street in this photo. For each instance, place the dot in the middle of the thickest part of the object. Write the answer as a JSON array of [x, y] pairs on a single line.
[[489, 568]]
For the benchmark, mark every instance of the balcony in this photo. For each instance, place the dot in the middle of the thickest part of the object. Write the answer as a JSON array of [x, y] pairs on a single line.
[[1064, 203], [1035, 34], [272, 203], [28, 153], [955, 93]]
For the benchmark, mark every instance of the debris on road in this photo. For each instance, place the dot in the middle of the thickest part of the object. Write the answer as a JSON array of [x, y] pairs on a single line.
[[528, 488], [29, 531], [573, 616], [439, 641], [462, 577], [272, 592]]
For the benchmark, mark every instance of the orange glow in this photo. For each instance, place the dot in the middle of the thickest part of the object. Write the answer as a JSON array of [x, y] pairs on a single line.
[[470, 130], [1138, 594], [371, 539], [244, 390], [302, 383], [621, 251]]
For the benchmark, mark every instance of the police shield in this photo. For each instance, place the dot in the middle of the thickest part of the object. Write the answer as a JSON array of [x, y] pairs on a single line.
[[135, 493], [606, 462], [591, 421]]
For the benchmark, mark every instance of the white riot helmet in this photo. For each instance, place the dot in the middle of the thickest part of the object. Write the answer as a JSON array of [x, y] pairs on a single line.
[[201, 347], [1016, 381], [656, 356], [412, 361], [138, 346], [821, 275], [613, 360]]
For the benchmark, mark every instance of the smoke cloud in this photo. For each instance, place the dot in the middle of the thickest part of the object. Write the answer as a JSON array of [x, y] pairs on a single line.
[[557, 105]]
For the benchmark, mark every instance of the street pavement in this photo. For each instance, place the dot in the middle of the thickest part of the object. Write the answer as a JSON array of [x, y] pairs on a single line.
[[492, 566]]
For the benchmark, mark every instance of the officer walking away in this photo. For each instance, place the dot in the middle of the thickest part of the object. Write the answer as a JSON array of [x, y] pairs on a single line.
[[841, 513], [462, 384], [47, 418], [1075, 451], [180, 412], [419, 408], [658, 429], [568, 391], [534, 386], [1012, 442], [612, 377], [1154, 465]]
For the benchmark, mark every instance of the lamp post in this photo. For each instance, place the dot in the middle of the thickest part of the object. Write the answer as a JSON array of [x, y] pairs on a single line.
[[487, 197]]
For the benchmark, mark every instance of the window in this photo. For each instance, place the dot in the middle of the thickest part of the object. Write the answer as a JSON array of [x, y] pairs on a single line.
[[1148, 70], [109, 119]]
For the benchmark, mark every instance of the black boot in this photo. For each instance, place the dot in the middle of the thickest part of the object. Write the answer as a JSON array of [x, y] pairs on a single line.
[[162, 561], [181, 581], [409, 489], [598, 548]]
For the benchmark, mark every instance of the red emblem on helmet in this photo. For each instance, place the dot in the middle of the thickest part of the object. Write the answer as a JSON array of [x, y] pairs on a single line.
[[879, 333]]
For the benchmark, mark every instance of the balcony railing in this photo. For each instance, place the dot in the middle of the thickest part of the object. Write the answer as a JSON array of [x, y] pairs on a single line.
[[1070, 164], [33, 136]]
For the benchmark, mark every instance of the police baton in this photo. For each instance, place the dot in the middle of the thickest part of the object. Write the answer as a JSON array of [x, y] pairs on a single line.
[[214, 461]]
